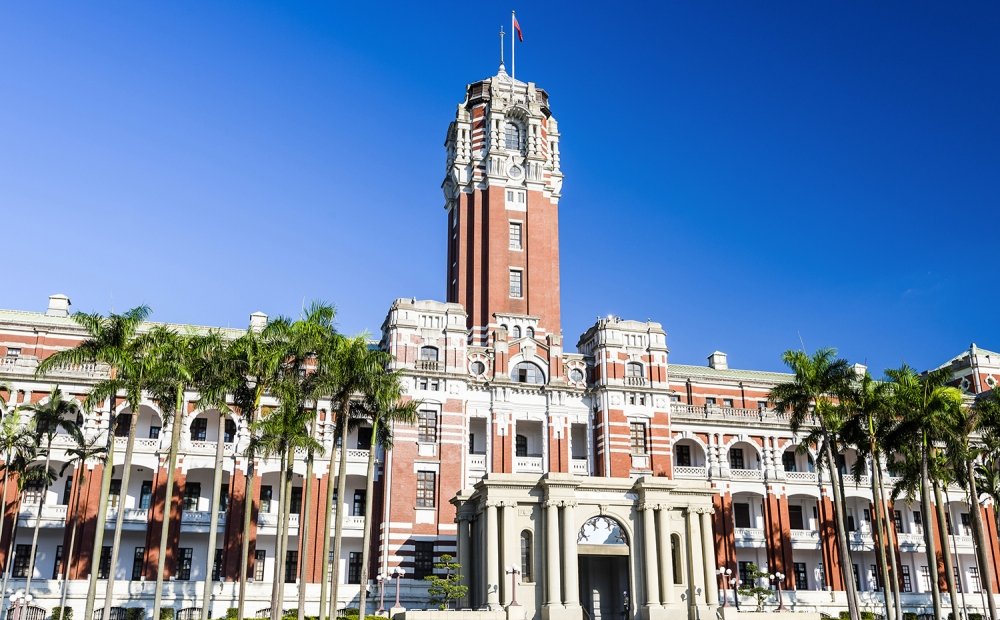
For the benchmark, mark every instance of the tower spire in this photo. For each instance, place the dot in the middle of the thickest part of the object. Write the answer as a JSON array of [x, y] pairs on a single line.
[[502, 69]]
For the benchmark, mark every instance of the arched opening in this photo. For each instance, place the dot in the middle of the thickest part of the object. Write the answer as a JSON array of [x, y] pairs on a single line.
[[675, 558], [689, 458], [428, 354], [512, 136], [516, 333], [603, 549], [526, 372], [527, 558], [633, 370], [531, 332]]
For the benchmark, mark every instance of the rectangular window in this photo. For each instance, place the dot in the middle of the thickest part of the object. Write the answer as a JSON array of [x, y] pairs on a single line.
[[761, 405], [736, 458], [184, 564], [291, 565], [426, 487], [114, 493], [57, 566], [684, 456], [527, 566], [875, 578], [217, 565], [857, 577], [947, 522], [795, 520], [265, 498], [146, 494], [104, 564], [977, 586], [710, 401], [788, 461], [22, 553], [958, 581], [199, 429], [515, 235], [966, 524], [358, 506], [228, 431], [925, 578], [32, 494], [123, 421], [675, 398], [224, 497], [918, 524], [354, 567], [296, 506], [154, 432], [515, 199], [259, 559], [897, 520], [801, 580], [364, 438], [521, 445], [907, 581], [138, 559], [637, 437], [515, 283], [67, 491], [423, 559], [745, 576], [741, 514], [727, 402], [427, 426], [13, 352], [192, 491]]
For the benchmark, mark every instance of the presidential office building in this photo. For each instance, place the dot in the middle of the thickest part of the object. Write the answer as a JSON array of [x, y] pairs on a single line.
[[596, 480]]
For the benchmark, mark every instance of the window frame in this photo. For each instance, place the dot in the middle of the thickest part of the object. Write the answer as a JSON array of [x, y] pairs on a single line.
[[427, 426], [638, 430], [426, 489], [515, 281]]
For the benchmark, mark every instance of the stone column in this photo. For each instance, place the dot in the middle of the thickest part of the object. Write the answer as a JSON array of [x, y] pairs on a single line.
[[708, 558], [492, 558], [464, 550], [649, 556], [571, 592], [509, 550], [666, 557], [690, 583], [552, 593]]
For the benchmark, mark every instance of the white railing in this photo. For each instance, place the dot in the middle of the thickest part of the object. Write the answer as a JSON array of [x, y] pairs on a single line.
[[916, 540], [270, 519], [685, 471], [746, 474], [749, 533], [132, 515], [579, 467], [54, 512], [801, 476], [140, 445], [528, 464], [804, 535], [354, 522], [201, 516], [89, 369], [209, 447], [477, 462], [726, 413]]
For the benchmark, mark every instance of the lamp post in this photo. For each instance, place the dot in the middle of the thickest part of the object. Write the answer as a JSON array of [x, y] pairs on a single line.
[[381, 593], [724, 574], [513, 571], [398, 572], [18, 599], [735, 583], [778, 578]]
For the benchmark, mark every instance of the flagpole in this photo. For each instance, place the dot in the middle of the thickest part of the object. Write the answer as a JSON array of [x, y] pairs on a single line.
[[512, 44]]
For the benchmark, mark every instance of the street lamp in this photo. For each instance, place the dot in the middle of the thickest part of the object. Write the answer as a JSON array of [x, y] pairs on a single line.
[[778, 578], [381, 593], [724, 574], [735, 583], [398, 572], [18, 599], [513, 571]]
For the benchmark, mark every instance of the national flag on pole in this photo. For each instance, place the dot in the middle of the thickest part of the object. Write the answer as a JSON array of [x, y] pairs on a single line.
[[517, 28]]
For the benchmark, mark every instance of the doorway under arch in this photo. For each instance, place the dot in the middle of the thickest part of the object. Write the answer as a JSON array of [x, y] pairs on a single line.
[[605, 584]]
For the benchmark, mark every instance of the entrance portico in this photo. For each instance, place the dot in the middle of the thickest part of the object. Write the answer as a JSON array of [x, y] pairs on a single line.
[[605, 548]]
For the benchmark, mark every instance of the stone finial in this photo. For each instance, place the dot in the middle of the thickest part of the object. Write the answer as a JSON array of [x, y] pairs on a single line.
[[257, 321], [58, 305]]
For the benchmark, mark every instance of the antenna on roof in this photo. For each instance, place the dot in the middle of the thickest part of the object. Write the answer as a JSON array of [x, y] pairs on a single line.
[[801, 341]]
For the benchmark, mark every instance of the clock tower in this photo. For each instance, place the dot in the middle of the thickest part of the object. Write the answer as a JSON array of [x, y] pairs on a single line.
[[502, 191]]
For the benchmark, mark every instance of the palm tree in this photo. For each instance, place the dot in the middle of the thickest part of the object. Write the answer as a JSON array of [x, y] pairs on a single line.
[[927, 407], [383, 407], [818, 380], [86, 450], [113, 340], [357, 365], [872, 419], [18, 443], [48, 418], [256, 358]]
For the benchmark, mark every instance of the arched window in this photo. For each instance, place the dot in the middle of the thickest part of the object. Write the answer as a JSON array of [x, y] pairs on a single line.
[[521, 445], [527, 559], [517, 331], [526, 372], [675, 556], [633, 369], [531, 332], [429, 354], [511, 136], [229, 432]]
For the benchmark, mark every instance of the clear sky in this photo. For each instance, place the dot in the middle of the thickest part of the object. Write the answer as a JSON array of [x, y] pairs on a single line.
[[751, 174]]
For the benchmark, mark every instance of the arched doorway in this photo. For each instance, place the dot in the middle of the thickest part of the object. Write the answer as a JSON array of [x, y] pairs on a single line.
[[603, 550]]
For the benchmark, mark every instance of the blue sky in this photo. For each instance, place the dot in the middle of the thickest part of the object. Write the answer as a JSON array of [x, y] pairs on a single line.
[[751, 174]]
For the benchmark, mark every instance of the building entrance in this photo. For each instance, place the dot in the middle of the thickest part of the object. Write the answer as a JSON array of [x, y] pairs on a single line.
[[604, 587]]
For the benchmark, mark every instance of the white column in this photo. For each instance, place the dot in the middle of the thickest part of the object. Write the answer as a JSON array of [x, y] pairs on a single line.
[[689, 553], [492, 558], [666, 557], [649, 556], [510, 547], [552, 589], [571, 591], [464, 550], [708, 559]]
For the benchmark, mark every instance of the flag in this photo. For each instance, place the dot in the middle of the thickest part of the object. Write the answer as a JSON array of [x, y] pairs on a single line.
[[517, 28]]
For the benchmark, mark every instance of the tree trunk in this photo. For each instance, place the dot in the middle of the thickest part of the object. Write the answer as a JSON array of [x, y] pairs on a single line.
[[846, 567], [213, 510], [38, 519], [325, 546], [367, 538], [176, 427], [279, 544], [120, 517], [949, 571], [338, 530], [68, 556], [3, 515], [881, 540], [304, 522], [929, 542], [985, 566], [10, 548], [245, 534], [889, 527], [102, 518]]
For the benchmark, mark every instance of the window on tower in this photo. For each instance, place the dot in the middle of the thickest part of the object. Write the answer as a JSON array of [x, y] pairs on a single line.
[[515, 235], [526, 372], [515, 283], [512, 136]]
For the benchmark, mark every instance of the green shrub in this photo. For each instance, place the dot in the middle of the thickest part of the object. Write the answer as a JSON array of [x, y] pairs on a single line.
[[909, 615], [231, 613], [167, 613], [135, 613], [57, 613], [868, 615], [975, 616], [845, 615]]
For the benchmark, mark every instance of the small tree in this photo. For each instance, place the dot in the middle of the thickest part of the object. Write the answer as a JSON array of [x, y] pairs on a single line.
[[445, 590], [754, 588]]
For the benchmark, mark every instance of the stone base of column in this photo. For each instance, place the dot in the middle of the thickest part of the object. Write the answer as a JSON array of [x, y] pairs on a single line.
[[655, 612], [562, 612], [398, 613], [516, 612]]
